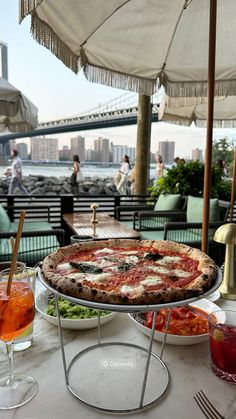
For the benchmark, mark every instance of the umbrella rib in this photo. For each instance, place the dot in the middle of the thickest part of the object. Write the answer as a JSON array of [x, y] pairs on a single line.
[[175, 29], [107, 18]]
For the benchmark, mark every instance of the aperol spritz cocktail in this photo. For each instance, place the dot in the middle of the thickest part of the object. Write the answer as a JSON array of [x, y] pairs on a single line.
[[222, 332], [16, 313]]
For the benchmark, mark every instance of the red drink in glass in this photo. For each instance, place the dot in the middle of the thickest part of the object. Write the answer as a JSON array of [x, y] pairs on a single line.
[[222, 332]]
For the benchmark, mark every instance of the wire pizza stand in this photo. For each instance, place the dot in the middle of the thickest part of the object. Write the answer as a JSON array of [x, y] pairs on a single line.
[[120, 377]]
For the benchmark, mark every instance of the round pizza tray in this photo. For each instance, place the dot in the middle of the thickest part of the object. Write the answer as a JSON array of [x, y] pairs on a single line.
[[127, 308]]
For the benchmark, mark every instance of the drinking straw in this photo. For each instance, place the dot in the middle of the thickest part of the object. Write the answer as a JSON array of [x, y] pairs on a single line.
[[12, 242], [15, 251]]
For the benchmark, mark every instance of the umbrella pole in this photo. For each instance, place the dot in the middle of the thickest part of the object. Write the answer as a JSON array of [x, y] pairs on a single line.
[[233, 189], [143, 145], [210, 114]]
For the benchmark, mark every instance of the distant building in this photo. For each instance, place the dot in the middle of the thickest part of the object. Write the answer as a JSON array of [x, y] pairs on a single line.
[[78, 147], [3, 61], [12, 145], [119, 151], [89, 155], [65, 153], [101, 150], [22, 149], [167, 151], [1, 150], [152, 157], [197, 154], [43, 148]]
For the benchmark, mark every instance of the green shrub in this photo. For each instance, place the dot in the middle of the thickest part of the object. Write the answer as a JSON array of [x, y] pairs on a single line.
[[188, 179]]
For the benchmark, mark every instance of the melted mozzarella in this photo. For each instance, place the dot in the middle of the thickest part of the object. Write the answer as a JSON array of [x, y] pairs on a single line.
[[152, 280], [77, 275], [105, 250], [128, 289], [103, 263], [130, 252], [132, 259], [160, 269], [65, 266], [168, 259], [98, 277], [180, 273]]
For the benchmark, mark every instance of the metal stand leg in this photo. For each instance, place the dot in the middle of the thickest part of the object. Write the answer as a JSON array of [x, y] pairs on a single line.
[[99, 327], [166, 331], [61, 339], [148, 359]]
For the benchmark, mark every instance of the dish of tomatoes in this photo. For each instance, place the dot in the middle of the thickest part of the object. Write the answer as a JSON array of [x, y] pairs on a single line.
[[185, 321]]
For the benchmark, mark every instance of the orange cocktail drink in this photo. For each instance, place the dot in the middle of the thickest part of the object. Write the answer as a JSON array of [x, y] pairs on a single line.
[[16, 310]]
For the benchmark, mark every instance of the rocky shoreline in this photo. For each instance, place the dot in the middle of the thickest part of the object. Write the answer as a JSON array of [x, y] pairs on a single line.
[[42, 185]]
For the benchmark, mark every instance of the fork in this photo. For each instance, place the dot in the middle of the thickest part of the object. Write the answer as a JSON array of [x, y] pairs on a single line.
[[206, 406]]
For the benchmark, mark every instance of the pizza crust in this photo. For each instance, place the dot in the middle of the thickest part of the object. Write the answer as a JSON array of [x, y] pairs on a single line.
[[73, 287]]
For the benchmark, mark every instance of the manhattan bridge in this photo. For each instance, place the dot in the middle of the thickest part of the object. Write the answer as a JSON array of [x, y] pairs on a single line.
[[120, 111]]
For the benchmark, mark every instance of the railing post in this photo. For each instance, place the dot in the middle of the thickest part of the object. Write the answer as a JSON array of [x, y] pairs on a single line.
[[116, 203], [67, 207], [10, 203]]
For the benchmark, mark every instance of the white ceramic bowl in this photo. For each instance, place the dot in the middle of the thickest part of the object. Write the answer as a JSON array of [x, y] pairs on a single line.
[[42, 303], [203, 304]]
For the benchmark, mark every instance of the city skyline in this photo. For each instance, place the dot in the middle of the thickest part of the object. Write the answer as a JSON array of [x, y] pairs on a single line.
[[104, 150]]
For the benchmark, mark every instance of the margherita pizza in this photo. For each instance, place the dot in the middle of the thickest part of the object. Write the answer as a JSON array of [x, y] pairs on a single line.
[[130, 271]]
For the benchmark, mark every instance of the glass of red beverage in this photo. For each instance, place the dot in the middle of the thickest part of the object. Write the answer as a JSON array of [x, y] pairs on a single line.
[[16, 314], [222, 333]]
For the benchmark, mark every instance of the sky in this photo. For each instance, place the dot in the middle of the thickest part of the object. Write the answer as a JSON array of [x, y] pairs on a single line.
[[58, 92]]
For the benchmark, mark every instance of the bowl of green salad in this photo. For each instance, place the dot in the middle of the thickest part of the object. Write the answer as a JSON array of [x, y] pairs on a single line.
[[73, 316]]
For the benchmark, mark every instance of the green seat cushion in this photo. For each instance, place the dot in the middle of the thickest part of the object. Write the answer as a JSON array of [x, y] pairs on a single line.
[[195, 209], [32, 226], [5, 221], [152, 235], [168, 202], [128, 224]]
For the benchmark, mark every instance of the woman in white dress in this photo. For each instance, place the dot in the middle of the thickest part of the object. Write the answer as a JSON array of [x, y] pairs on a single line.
[[122, 176], [159, 167]]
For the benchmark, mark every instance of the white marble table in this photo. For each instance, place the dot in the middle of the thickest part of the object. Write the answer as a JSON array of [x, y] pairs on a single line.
[[188, 367]]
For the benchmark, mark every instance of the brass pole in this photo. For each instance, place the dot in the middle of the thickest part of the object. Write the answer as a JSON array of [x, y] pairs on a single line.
[[210, 114], [143, 145]]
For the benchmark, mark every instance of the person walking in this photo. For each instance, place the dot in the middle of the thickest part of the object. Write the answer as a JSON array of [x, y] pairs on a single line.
[[122, 176], [76, 176], [16, 174], [159, 167]]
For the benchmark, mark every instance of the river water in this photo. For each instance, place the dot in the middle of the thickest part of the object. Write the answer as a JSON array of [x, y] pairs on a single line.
[[60, 170]]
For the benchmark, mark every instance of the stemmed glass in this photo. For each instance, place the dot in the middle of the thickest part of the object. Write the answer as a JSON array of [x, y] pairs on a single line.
[[16, 313]]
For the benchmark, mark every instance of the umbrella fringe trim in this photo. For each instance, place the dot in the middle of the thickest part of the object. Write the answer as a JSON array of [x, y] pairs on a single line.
[[196, 89], [117, 79], [8, 108], [45, 36], [26, 7]]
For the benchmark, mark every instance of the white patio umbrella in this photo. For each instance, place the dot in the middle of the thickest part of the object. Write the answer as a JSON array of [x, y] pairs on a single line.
[[135, 44], [17, 113], [224, 113]]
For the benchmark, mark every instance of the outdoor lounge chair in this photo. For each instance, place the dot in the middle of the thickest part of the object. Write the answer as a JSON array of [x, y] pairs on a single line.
[[39, 238]]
